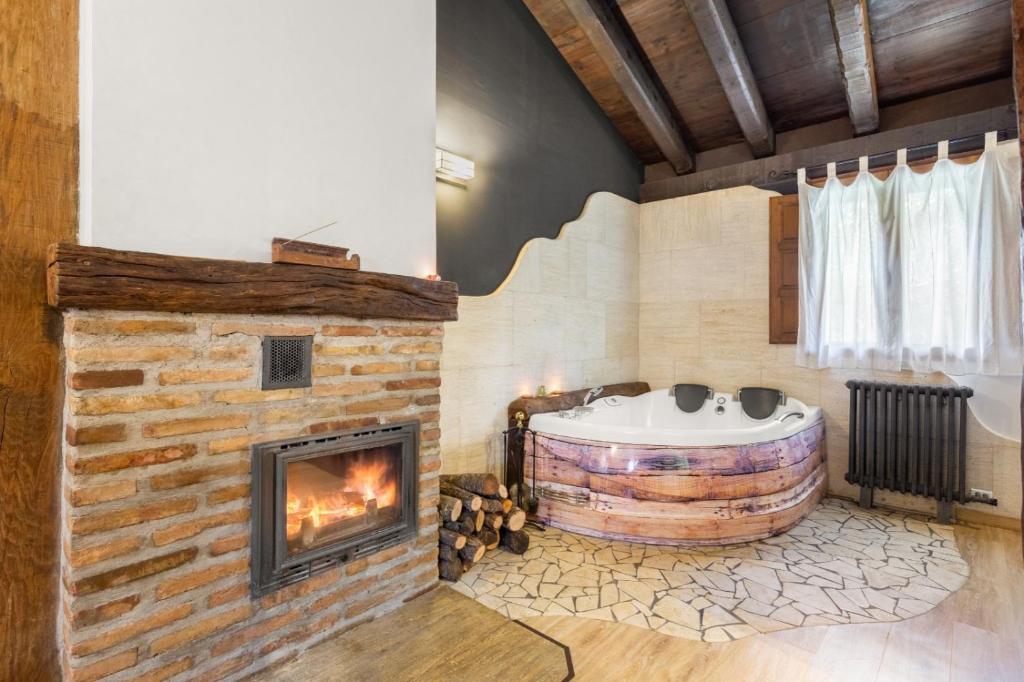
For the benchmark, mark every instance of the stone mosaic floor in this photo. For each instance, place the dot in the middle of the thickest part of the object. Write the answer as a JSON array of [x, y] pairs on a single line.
[[841, 564]]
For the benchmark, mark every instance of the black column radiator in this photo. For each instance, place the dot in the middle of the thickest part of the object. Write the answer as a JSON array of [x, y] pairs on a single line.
[[910, 439]]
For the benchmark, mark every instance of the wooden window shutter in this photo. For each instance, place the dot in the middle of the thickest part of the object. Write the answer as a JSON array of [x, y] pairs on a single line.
[[784, 270]]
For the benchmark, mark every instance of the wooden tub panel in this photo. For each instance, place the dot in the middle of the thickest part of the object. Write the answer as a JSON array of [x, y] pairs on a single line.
[[637, 460], [673, 488], [707, 495], [698, 523]]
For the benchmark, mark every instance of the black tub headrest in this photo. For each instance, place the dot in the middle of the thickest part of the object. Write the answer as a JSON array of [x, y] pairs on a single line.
[[760, 403], [691, 397]]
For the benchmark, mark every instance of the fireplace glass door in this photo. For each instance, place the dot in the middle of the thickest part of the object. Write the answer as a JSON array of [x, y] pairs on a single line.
[[325, 500]]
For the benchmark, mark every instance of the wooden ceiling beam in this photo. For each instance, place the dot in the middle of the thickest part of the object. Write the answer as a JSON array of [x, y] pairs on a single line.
[[856, 61], [718, 33], [612, 46]]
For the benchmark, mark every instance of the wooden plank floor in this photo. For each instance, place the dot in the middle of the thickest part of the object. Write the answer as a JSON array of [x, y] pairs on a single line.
[[441, 635], [976, 634]]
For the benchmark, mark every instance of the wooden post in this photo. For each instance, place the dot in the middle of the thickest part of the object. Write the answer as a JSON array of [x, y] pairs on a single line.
[[1018, 91], [38, 206]]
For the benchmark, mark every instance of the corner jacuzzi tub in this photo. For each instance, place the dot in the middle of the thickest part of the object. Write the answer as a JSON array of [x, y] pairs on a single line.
[[641, 470]]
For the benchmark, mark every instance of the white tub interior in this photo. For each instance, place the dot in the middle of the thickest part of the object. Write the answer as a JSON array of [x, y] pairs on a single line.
[[653, 419]]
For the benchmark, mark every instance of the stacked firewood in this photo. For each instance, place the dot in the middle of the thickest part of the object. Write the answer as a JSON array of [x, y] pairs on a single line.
[[476, 515]]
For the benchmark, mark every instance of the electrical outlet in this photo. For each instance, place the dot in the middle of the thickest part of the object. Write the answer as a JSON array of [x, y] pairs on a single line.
[[981, 495]]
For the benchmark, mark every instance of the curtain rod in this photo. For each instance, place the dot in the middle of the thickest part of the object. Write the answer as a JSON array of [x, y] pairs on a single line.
[[957, 145]]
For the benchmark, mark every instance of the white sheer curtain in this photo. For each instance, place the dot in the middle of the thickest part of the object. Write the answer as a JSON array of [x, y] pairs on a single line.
[[921, 271]]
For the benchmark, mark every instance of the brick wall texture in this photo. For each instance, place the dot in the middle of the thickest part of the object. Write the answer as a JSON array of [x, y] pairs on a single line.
[[160, 414]]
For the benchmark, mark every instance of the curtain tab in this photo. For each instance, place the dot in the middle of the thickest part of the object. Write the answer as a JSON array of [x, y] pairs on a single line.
[[901, 157], [991, 138], [801, 176], [831, 169], [863, 161], [943, 151]]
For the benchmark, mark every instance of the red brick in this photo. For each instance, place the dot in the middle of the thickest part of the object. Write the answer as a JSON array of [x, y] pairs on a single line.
[[232, 543], [134, 458], [229, 493], [187, 477], [190, 581], [412, 331], [347, 330], [131, 516], [113, 378], [86, 556], [413, 384], [92, 435], [166, 672], [228, 595], [107, 611], [194, 527], [113, 636], [200, 629], [117, 490], [254, 631], [131, 572], [104, 668]]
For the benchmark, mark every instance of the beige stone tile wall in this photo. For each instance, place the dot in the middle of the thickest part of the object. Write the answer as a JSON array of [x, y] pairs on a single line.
[[160, 414], [703, 317], [566, 317]]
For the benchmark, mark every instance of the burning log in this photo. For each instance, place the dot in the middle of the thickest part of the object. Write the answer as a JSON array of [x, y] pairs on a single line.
[[452, 539], [481, 484], [515, 541], [515, 519], [470, 501], [493, 521], [450, 508], [450, 570]]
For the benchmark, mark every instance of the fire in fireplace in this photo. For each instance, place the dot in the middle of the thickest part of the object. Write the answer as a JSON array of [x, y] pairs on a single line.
[[333, 496], [326, 500]]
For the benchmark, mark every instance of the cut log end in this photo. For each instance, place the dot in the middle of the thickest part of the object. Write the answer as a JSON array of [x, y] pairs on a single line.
[[515, 541], [452, 539], [515, 519], [450, 508]]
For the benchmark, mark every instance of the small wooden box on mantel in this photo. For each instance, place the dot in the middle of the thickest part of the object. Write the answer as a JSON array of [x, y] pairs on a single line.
[[309, 253]]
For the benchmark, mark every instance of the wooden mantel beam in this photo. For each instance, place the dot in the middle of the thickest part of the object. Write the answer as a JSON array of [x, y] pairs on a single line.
[[856, 61], [93, 277], [611, 44], [718, 33]]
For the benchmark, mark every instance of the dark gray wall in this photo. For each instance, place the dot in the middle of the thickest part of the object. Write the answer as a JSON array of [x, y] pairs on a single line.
[[507, 100]]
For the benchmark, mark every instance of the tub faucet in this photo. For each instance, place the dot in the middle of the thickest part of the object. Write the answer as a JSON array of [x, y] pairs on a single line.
[[592, 394], [791, 414]]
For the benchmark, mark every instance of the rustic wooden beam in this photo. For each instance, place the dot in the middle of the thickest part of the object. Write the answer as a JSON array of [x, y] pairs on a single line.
[[779, 172], [38, 205], [629, 72], [853, 43], [718, 33], [93, 277]]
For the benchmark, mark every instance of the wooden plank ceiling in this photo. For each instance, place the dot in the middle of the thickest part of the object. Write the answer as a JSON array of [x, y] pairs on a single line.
[[811, 61]]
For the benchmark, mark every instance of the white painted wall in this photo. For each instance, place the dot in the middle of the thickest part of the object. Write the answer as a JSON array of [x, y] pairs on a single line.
[[211, 126]]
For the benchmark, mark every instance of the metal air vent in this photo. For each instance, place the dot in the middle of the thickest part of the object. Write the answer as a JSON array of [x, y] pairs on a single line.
[[287, 361]]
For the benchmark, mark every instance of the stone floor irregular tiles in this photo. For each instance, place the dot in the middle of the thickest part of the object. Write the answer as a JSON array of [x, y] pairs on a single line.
[[841, 564]]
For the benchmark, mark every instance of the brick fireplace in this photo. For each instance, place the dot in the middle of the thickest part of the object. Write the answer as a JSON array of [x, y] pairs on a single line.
[[164, 412]]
